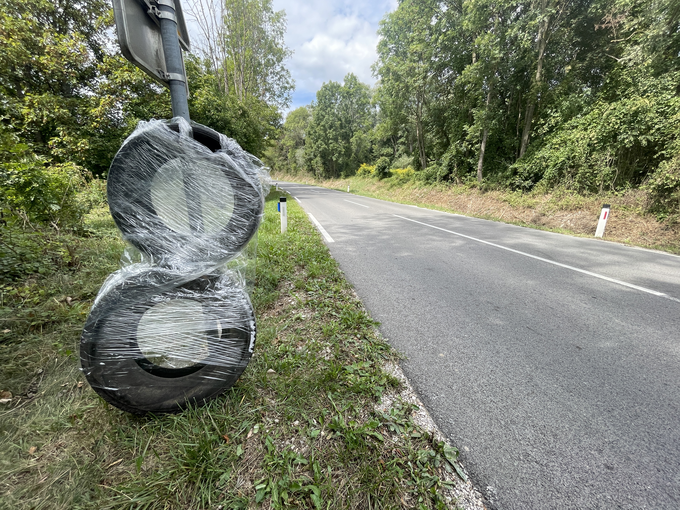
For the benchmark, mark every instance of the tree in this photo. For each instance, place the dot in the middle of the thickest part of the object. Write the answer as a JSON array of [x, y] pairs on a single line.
[[403, 65], [288, 153], [338, 138], [244, 42]]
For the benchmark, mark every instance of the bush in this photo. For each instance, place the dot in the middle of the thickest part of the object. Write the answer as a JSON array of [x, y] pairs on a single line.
[[366, 170], [382, 168], [664, 190], [37, 190], [404, 161], [433, 173], [610, 146], [403, 175]]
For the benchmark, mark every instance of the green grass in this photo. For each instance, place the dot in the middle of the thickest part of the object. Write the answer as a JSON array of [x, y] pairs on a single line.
[[299, 430]]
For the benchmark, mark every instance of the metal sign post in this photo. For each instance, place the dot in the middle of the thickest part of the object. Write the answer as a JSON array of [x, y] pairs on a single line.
[[176, 76], [150, 33]]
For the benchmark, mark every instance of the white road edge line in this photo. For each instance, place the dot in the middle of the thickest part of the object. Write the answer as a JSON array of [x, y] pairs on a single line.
[[360, 205], [565, 266], [327, 237], [298, 200]]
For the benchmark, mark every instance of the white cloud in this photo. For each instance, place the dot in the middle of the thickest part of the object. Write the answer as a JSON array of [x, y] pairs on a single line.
[[329, 40]]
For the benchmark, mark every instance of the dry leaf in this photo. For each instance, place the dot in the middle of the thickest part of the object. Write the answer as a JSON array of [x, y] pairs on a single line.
[[6, 330], [32, 450], [226, 437], [5, 400], [80, 384], [5, 394], [68, 301]]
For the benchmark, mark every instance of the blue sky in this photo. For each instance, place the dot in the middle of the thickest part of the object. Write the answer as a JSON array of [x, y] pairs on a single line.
[[330, 39]]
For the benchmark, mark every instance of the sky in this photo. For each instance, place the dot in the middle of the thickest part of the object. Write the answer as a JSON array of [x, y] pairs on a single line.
[[330, 39]]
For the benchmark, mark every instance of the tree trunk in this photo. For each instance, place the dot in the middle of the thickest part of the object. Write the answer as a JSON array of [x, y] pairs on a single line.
[[482, 148], [542, 42], [485, 136], [420, 136]]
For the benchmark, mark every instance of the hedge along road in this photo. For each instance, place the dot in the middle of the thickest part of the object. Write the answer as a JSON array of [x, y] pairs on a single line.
[[552, 362]]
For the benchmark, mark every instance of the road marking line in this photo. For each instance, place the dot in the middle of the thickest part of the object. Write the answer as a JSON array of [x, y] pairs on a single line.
[[565, 266], [298, 200], [321, 229], [360, 205]]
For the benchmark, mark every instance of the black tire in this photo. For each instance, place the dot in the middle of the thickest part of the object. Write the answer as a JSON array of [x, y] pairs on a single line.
[[130, 195], [112, 359]]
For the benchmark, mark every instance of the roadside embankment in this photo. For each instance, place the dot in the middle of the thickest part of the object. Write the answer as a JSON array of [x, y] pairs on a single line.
[[319, 419], [560, 211]]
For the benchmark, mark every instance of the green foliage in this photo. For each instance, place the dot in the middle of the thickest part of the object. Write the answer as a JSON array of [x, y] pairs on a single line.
[[32, 252], [403, 175], [404, 51], [664, 190], [288, 153], [433, 173], [382, 168], [247, 51], [36, 190], [403, 161], [581, 95], [250, 122], [366, 170], [338, 138], [613, 145]]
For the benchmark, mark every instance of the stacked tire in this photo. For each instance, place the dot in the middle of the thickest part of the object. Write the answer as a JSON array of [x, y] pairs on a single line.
[[177, 328]]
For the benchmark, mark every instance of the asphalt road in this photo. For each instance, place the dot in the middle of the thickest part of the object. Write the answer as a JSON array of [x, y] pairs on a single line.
[[552, 362]]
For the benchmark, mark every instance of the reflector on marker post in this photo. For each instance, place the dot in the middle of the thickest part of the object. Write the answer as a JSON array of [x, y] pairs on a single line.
[[604, 216], [284, 214]]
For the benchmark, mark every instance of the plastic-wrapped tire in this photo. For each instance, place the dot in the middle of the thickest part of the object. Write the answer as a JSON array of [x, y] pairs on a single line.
[[175, 199], [134, 324]]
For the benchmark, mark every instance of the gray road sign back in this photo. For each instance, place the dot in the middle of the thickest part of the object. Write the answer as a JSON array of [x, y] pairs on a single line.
[[140, 37]]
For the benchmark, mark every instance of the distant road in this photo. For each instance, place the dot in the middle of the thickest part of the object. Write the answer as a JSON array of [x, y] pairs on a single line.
[[552, 362]]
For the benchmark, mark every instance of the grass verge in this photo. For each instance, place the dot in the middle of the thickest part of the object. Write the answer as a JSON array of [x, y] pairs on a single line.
[[559, 211], [300, 429]]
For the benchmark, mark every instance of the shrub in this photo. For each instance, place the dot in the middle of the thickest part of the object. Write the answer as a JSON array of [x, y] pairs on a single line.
[[34, 188], [433, 173], [403, 175], [382, 168], [664, 190], [611, 145], [366, 170], [404, 161]]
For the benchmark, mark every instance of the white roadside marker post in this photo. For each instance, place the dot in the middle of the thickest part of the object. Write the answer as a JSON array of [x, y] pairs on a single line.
[[348, 188], [604, 216], [284, 214]]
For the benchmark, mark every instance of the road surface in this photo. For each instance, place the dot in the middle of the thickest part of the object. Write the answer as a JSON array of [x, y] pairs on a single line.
[[552, 362]]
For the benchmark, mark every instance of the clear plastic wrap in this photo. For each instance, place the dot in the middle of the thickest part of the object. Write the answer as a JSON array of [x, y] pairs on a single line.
[[178, 200], [176, 324]]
